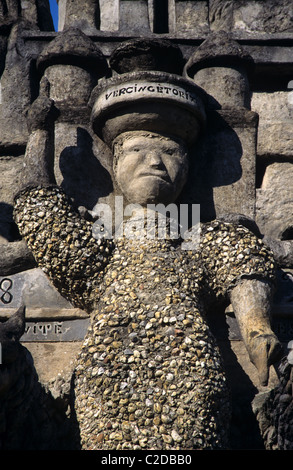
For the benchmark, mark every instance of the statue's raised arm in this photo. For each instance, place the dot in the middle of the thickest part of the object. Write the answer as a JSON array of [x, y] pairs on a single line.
[[59, 238]]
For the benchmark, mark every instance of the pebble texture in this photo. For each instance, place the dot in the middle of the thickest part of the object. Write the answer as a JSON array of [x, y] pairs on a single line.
[[149, 374]]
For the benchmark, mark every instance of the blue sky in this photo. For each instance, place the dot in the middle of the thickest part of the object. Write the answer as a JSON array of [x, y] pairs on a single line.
[[54, 11]]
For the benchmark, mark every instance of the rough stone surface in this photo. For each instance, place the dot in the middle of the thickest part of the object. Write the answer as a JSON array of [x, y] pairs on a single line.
[[218, 49], [36, 12], [146, 54], [83, 15], [235, 89], [139, 22], [16, 94], [75, 48], [184, 16], [275, 112], [271, 16], [274, 216], [190, 18]]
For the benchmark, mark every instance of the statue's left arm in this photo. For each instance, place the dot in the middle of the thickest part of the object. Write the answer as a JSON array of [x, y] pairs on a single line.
[[242, 268]]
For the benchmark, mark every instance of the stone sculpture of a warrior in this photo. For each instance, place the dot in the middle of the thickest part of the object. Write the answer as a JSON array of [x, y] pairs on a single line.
[[149, 374]]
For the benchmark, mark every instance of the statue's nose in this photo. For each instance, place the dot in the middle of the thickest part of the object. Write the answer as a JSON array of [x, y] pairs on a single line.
[[153, 159]]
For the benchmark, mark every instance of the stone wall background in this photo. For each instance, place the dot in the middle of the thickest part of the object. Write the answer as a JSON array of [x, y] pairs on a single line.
[[252, 177]]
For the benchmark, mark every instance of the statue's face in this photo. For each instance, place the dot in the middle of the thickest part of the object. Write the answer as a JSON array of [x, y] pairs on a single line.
[[150, 168]]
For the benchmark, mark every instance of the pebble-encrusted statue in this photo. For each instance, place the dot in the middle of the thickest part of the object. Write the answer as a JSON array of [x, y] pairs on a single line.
[[149, 374]]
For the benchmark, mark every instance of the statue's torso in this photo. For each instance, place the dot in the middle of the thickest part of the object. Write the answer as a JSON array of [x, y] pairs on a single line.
[[149, 371], [150, 357]]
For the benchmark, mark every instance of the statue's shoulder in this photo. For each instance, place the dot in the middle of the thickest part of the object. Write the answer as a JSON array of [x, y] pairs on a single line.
[[227, 238], [219, 235], [236, 224]]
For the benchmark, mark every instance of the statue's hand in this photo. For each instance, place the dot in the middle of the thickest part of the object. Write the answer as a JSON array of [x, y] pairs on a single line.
[[38, 167], [251, 300], [41, 114], [264, 351]]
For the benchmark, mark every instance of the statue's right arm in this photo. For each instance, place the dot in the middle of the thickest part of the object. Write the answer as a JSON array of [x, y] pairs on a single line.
[[62, 243], [61, 240]]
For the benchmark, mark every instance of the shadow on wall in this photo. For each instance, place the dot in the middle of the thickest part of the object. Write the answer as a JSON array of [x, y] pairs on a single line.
[[8, 229], [215, 161], [245, 433], [85, 179]]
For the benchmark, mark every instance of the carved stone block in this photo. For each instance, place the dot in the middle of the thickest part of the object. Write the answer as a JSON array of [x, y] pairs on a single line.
[[49, 317], [275, 214], [133, 16], [191, 17], [275, 123]]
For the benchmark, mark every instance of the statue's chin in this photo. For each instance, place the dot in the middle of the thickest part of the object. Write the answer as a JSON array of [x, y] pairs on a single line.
[[150, 190], [151, 198]]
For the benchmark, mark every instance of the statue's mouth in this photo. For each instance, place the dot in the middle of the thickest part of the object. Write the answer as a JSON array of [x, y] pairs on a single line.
[[156, 174]]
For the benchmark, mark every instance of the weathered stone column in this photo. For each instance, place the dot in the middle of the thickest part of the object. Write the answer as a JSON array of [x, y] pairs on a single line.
[[83, 14], [70, 67], [16, 94], [227, 181]]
